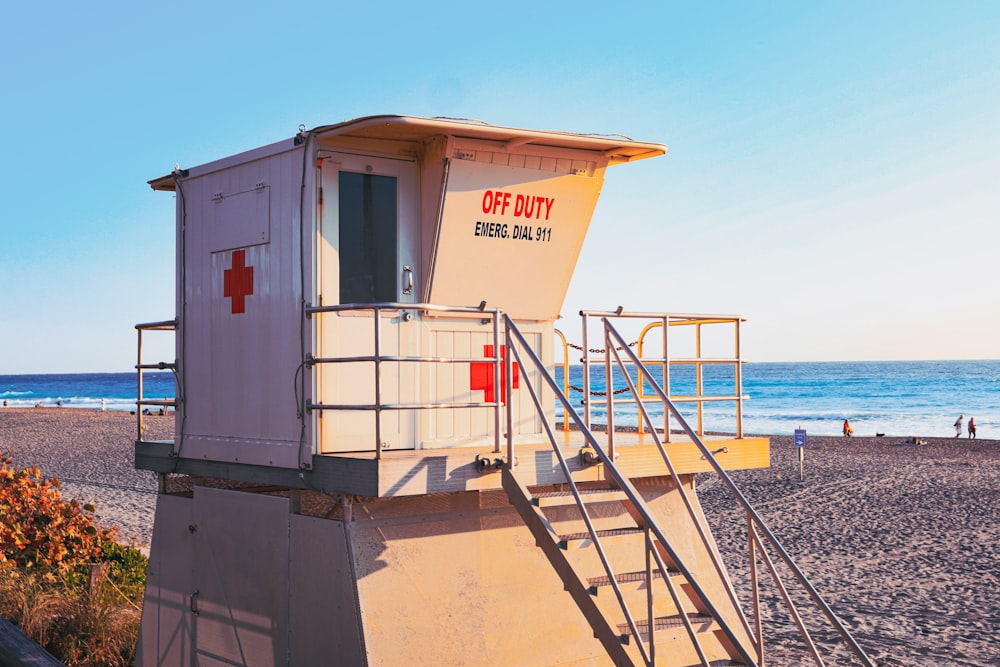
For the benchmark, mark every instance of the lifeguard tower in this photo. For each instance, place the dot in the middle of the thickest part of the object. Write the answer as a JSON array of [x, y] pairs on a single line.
[[374, 463]]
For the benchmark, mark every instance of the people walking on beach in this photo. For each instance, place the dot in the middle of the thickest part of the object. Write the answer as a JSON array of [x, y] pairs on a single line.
[[972, 427], [848, 431], [958, 426]]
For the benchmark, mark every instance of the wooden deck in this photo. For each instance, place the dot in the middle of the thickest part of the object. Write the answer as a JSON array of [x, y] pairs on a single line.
[[423, 471]]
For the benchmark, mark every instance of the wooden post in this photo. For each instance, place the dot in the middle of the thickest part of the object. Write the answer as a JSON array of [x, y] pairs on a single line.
[[96, 578]]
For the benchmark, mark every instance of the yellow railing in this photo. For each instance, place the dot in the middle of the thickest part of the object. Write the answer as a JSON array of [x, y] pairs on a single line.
[[664, 361]]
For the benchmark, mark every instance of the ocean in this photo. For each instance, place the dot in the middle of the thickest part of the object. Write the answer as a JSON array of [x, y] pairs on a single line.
[[110, 391], [898, 398]]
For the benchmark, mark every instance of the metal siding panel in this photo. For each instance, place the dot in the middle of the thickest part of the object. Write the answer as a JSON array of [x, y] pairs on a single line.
[[241, 573], [240, 219], [527, 421], [463, 418], [444, 387], [323, 616], [240, 367], [451, 384], [165, 632]]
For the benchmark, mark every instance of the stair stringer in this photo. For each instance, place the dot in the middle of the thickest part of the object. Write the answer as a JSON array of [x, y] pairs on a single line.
[[576, 566], [547, 539]]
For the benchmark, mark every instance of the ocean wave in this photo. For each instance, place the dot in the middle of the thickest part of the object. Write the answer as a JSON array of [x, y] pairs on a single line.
[[78, 402]]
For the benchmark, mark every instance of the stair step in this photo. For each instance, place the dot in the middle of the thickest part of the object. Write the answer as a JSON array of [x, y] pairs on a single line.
[[596, 583], [577, 539], [591, 495], [701, 622]]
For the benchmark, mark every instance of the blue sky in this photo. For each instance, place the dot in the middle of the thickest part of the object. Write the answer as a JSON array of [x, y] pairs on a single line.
[[832, 176]]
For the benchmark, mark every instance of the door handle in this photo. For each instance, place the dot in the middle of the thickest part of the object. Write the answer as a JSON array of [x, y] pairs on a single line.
[[407, 280]]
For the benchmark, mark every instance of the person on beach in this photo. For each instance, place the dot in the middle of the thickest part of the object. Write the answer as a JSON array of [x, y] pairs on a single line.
[[958, 426], [972, 427], [848, 431]]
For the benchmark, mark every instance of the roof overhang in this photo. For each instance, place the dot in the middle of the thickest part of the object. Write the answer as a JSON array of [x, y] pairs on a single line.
[[615, 148]]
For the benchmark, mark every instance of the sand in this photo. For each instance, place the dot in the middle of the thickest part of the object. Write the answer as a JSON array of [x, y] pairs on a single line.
[[900, 540], [91, 453]]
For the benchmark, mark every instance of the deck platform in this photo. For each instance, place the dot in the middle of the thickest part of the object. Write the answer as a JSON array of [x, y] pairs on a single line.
[[423, 471]]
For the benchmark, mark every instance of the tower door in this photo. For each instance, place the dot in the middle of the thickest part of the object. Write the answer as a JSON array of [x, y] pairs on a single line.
[[368, 253]]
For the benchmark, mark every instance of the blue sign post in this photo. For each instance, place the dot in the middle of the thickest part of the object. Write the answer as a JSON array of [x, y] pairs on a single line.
[[800, 443]]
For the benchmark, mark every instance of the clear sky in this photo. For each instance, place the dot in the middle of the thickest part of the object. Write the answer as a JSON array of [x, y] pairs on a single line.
[[833, 174]]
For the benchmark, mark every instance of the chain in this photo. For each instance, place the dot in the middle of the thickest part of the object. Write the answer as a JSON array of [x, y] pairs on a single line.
[[602, 351], [596, 351], [600, 393]]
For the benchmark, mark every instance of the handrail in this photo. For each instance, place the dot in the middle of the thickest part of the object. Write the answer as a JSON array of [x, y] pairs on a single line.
[[377, 358], [163, 325], [755, 522], [512, 333], [395, 305], [714, 556]]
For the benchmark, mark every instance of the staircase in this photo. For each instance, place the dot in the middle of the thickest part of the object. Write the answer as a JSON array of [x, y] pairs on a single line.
[[629, 585], [637, 555]]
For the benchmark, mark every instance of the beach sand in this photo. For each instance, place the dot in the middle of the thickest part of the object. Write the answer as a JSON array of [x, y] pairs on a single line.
[[91, 453], [900, 540]]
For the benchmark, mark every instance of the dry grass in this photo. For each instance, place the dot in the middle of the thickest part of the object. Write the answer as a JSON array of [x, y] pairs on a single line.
[[64, 581]]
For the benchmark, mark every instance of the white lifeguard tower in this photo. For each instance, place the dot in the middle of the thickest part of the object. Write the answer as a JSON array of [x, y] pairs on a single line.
[[368, 467]]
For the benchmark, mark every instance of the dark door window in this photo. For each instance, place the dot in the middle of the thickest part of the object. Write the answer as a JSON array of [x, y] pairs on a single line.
[[367, 238]]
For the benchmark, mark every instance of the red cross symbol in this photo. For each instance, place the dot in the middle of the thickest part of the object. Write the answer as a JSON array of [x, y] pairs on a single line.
[[238, 281], [481, 375]]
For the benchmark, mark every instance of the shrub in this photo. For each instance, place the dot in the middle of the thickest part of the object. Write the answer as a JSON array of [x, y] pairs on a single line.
[[47, 549], [40, 531]]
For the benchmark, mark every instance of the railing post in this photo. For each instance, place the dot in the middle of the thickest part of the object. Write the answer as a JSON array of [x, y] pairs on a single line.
[[609, 386], [506, 391], [649, 546], [585, 360], [699, 380], [755, 590], [666, 378], [378, 384], [739, 381], [138, 370], [565, 367]]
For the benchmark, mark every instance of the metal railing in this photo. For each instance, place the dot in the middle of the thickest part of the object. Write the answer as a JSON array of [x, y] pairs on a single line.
[[648, 652], [141, 401], [759, 535], [664, 322], [377, 359]]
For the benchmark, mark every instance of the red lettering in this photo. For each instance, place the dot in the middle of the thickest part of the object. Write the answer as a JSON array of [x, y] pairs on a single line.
[[524, 206], [548, 201]]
